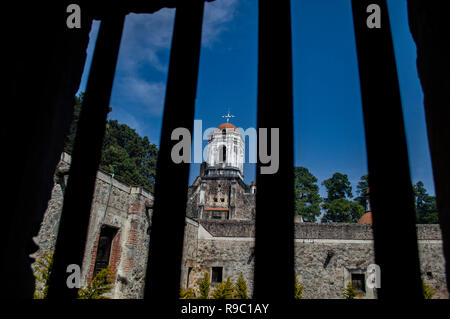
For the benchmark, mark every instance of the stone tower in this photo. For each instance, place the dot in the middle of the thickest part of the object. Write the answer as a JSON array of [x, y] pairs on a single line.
[[220, 192], [226, 150]]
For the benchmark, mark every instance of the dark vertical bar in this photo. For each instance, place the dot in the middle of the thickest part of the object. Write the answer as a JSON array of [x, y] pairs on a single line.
[[74, 221], [166, 244], [428, 25], [274, 247], [391, 195]]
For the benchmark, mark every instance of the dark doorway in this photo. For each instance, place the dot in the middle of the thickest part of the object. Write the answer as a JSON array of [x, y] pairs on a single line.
[[107, 235], [359, 283]]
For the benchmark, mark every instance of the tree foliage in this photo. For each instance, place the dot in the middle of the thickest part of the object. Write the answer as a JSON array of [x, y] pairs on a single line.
[[224, 290], [298, 289], [426, 209], [428, 292], [338, 208], [307, 198], [241, 288], [342, 211], [42, 270], [361, 191], [350, 292], [203, 286], [187, 293], [99, 286], [125, 153], [338, 186]]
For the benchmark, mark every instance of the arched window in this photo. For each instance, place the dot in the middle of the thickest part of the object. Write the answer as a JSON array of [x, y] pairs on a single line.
[[224, 133], [223, 155]]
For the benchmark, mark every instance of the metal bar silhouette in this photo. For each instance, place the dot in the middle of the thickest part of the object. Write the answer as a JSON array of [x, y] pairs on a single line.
[[166, 244], [274, 242], [73, 227], [395, 239]]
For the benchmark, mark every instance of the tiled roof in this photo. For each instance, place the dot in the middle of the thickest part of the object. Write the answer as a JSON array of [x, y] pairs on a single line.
[[227, 125], [366, 218]]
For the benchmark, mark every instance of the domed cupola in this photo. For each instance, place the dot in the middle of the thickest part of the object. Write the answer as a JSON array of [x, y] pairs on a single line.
[[226, 151]]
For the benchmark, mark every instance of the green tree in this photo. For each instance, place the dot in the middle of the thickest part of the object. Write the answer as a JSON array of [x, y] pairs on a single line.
[[350, 292], [42, 270], [224, 290], [428, 292], [426, 209], [307, 198], [338, 207], [203, 286], [361, 191], [99, 286], [298, 292], [241, 288], [342, 211], [187, 294], [338, 186], [70, 138], [125, 153]]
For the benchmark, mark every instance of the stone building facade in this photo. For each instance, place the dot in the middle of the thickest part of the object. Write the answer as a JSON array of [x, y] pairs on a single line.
[[118, 233], [220, 234]]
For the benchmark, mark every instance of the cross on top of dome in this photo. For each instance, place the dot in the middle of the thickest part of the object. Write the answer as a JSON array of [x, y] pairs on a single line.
[[228, 116]]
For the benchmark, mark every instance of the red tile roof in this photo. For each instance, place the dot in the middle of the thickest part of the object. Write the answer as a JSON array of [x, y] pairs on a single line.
[[227, 125], [366, 218]]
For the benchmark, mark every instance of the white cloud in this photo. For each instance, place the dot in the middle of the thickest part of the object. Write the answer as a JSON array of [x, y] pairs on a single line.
[[143, 95], [216, 16], [144, 37], [146, 43], [147, 36]]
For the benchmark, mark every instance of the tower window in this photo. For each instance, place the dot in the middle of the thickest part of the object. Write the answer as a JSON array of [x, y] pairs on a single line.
[[216, 275], [223, 158], [358, 282], [224, 133]]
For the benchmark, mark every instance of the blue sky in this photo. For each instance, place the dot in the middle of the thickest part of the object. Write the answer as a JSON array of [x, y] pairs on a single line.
[[329, 132]]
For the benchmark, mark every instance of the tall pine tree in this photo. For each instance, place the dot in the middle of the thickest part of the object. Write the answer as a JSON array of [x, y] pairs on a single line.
[[338, 208], [426, 209], [307, 198]]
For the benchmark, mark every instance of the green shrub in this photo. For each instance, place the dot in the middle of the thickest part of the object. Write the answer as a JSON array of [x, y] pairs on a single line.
[[187, 294], [224, 291], [298, 292], [42, 273], [350, 292], [241, 288], [428, 292], [203, 286], [99, 286]]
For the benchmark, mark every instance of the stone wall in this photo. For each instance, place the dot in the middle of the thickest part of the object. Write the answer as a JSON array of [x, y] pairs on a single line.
[[234, 255], [326, 255], [46, 238], [127, 211], [209, 193]]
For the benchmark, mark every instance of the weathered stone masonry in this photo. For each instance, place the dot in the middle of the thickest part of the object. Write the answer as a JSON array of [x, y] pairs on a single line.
[[230, 244], [128, 215], [219, 239]]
